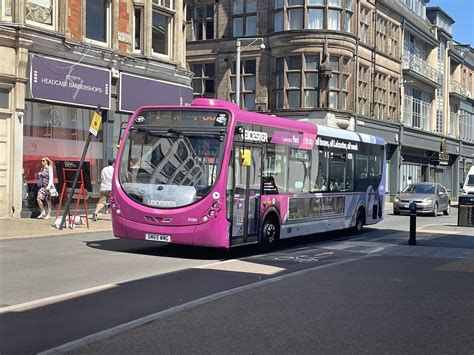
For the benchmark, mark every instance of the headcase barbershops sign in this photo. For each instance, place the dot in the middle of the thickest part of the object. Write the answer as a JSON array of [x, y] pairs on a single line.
[[69, 82]]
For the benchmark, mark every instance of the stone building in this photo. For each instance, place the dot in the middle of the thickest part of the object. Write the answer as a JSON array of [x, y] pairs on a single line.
[[466, 111], [383, 67], [59, 60]]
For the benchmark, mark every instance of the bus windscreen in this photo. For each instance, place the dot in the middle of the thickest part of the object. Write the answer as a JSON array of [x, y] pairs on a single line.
[[171, 166]]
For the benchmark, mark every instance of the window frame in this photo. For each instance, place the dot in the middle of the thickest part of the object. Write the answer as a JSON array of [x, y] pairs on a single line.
[[203, 77], [54, 16], [141, 48], [170, 15], [244, 15], [4, 17], [108, 19], [7, 88]]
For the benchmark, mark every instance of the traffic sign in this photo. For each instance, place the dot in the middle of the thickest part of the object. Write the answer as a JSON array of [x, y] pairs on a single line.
[[95, 124]]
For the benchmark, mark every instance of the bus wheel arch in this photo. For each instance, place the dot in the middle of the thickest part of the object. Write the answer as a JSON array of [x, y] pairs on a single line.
[[359, 220], [270, 232]]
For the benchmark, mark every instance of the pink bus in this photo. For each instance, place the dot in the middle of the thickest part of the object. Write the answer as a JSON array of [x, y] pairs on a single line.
[[210, 174]]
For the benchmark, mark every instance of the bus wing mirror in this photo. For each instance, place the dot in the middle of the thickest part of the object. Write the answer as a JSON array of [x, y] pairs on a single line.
[[245, 157]]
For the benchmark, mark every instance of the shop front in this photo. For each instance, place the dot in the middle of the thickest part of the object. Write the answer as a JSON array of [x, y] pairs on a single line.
[[63, 97]]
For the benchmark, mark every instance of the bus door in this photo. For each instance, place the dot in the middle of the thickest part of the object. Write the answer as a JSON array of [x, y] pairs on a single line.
[[247, 189]]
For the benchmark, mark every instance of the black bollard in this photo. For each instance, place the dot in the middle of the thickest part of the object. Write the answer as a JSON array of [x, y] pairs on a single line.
[[412, 240]]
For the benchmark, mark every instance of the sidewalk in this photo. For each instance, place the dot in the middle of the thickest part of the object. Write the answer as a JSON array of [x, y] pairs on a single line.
[[14, 228]]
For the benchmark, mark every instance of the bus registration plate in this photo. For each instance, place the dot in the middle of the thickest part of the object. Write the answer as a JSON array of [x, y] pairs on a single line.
[[158, 237]]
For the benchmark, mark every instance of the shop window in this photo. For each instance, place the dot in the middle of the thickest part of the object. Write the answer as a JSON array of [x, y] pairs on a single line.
[[59, 132], [97, 20], [244, 20], [4, 99], [40, 12]]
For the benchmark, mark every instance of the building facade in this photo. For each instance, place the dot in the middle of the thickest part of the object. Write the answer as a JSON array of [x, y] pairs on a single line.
[[466, 112], [381, 67], [59, 61]]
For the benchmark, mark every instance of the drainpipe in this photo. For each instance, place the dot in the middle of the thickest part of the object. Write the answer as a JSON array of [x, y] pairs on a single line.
[[356, 76]]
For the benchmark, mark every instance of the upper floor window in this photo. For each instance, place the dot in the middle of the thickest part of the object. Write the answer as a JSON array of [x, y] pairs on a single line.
[[297, 81], [312, 14], [138, 30], [248, 82], [416, 6], [160, 32], [40, 12], [204, 80], [203, 21], [6, 10], [165, 3], [4, 98], [244, 20], [364, 29], [97, 20], [387, 34]]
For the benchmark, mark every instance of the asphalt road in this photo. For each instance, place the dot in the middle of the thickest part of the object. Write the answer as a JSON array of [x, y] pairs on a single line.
[[328, 294]]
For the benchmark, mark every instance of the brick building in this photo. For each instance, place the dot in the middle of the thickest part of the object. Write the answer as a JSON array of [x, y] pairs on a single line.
[[59, 59]]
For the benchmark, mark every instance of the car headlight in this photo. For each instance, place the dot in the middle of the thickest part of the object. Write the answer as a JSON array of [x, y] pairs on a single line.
[[397, 199], [428, 200]]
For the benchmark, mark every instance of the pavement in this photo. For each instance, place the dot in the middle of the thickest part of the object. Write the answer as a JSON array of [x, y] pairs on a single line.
[[17, 228]]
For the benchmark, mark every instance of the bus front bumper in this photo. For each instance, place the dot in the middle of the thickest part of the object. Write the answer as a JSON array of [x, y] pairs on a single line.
[[213, 233]]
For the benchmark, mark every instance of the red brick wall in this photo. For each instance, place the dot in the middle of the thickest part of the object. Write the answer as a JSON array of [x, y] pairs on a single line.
[[74, 20], [125, 25]]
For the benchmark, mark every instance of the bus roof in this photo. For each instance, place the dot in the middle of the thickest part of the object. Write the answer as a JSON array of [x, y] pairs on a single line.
[[281, 122], [255, 117]]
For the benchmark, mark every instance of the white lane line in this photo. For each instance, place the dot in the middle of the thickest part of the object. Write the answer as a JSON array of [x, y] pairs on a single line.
[[243, 266], [54, 299], [93, 338]]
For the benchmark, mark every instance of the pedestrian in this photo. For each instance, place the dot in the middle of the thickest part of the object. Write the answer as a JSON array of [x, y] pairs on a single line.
[[105, 187], [45, 184], [410, 180]]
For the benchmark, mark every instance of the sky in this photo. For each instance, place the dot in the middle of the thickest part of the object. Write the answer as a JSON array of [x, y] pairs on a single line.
[[462, 12]]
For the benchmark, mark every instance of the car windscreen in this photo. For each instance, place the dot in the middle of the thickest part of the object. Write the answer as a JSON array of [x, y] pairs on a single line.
[[470, 180], [169, 168], [420, 189]]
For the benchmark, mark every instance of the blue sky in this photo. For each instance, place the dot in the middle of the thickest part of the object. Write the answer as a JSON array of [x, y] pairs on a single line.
[[462, 11]]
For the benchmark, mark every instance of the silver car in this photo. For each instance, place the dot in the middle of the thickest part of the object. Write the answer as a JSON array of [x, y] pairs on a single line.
[[429, 197]]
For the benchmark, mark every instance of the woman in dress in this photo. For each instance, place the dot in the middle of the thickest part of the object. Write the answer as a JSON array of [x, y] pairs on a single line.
[[45, 176]]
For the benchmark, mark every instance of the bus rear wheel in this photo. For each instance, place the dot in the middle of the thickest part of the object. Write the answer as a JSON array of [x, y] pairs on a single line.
[[270, 232]]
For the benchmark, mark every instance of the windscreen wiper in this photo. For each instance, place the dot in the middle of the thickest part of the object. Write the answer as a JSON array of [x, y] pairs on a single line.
[[175, 131]]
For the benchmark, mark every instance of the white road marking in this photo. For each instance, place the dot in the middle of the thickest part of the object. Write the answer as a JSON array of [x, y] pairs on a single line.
[[243, 266], [93, 338]]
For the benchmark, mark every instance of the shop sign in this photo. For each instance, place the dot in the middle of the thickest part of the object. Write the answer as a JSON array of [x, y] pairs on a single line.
[[136, 91], [70, 83], [443, 153]]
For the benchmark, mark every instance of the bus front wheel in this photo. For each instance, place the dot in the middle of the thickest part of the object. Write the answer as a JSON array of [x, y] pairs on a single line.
[[270, 232], [360, 221]]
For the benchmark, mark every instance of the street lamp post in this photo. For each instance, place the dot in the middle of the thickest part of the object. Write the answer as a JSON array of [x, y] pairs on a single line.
[[238, 49]]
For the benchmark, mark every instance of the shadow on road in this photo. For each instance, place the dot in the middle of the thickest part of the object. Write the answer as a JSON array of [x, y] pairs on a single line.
[[203, 253]]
